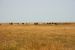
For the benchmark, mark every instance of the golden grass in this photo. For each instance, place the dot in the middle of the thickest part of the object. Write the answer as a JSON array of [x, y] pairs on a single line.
[[37, 37]]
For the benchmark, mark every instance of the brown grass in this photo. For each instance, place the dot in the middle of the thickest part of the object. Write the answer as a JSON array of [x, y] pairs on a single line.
[[37, 37]]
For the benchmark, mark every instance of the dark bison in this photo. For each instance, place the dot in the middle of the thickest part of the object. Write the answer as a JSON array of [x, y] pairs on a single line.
[[11, 23], [0, 24], [23, 23], [36, 23]]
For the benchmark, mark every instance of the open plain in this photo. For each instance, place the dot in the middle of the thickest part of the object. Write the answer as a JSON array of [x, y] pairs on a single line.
[[37, 37]]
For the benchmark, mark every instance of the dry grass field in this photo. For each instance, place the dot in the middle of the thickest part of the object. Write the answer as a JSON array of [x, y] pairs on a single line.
[[37, 37]]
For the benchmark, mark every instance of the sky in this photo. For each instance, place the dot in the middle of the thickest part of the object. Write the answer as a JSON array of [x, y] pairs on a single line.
[[37, 10]]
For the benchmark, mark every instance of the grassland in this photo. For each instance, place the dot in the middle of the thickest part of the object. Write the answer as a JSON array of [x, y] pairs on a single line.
[[37, 37]]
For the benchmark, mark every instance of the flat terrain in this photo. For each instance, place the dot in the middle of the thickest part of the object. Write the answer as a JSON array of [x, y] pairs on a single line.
[[37, 37]]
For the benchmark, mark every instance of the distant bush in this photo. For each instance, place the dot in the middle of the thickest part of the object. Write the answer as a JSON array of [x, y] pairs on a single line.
[[17, 23], [55, 23], [36, 23]]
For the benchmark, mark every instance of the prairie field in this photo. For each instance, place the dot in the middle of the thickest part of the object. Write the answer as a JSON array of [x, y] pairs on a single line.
[[37, 37]]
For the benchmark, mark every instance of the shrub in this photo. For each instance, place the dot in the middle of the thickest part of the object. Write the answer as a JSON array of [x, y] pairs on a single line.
[[17, 23]]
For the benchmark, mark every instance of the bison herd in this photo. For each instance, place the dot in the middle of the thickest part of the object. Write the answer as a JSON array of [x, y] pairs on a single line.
[[36, 23]]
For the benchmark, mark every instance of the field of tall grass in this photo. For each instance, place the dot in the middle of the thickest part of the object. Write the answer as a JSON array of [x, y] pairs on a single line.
[[37, 37]]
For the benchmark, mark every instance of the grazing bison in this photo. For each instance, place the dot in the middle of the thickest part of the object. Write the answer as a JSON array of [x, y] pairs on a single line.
[[48, 23], [11, 23], [36, 23], [53, 23], [0, 24], [23, 23]]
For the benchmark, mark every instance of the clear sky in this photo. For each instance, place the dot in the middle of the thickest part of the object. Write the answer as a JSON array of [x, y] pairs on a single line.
[[37, 10]]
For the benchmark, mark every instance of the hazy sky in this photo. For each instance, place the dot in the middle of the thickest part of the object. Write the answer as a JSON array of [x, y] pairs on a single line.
[[37, 10]]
